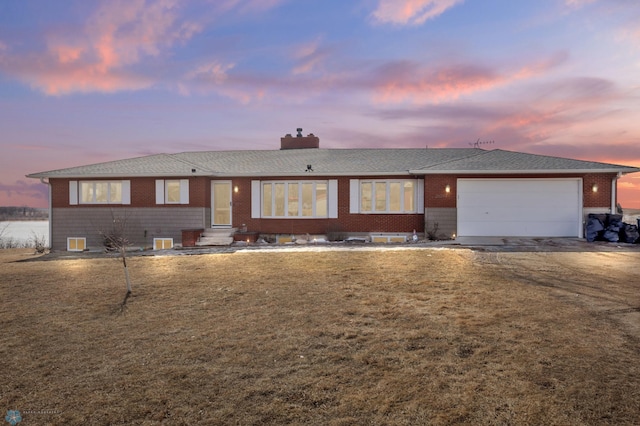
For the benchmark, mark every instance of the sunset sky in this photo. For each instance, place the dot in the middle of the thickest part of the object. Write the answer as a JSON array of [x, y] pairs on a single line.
[[83, 82]]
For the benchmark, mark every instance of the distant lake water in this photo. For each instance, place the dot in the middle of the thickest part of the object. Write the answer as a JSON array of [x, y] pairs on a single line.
[[22, 231]]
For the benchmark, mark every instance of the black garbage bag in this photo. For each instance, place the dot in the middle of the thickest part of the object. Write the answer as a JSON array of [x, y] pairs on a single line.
[[629, 233], [613, 218], [602, 217], [611, 235], [594, 228]]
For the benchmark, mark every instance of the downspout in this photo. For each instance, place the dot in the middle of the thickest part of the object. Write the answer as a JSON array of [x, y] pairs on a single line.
[[614, 190], [50, 212]]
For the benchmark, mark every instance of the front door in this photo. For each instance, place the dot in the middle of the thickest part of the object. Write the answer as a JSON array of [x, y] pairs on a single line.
[[220, 203]]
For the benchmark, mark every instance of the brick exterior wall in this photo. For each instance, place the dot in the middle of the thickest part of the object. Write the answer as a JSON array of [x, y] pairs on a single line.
[[355, 223], [601, 198], [168, 220], [436, 196], [299, 142], [143, 192]]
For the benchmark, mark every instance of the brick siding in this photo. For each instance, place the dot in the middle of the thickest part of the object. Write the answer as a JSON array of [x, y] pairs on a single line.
[[168, 220]]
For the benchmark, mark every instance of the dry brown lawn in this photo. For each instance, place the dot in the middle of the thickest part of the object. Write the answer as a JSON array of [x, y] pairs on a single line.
[[396, 337]]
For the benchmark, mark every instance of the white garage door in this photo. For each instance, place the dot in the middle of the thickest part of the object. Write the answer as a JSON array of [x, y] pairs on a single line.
[[520, 207]]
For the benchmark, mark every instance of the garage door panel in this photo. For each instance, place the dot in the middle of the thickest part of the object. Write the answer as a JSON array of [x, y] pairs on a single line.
[[512, 199], [520, 213], [520, 229], [519, 207]]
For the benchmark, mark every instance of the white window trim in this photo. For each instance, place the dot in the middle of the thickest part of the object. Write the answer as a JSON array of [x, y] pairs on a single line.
[[162, 239], [355, 186], [75, 197], [76, 239], [332, 198]]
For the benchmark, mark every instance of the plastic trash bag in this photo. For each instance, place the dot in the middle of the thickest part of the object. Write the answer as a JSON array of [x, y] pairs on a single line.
[[594, 228]]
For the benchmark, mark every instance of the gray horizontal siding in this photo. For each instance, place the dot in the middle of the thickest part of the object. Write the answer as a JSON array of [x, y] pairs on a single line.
[[445, 218], [142, 225]]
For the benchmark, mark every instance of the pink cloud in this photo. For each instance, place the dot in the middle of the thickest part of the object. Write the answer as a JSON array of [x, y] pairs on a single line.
[[308, 57], [402, 81], [408, 81], [119, 34], [411, 12]]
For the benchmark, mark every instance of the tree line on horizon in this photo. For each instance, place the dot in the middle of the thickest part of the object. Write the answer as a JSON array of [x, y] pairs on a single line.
[[23, 213]]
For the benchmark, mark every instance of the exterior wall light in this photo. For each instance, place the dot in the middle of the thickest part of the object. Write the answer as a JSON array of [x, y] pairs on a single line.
[[235, 189], [447, 189], [594, 187]]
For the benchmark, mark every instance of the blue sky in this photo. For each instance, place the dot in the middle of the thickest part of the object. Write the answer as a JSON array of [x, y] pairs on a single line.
[[84, 82]]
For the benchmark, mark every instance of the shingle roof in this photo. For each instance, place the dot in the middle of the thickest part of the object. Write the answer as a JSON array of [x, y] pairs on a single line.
[[500, 161], [358, 162]]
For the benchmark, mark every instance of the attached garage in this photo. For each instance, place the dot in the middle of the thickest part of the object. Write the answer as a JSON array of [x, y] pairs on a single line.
[[519, 207]]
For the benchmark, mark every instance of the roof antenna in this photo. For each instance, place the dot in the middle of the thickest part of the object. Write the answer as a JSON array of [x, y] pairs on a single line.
[[477, 143]]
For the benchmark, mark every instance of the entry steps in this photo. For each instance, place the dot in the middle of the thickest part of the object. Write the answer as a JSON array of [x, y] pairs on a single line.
[[216, 237]]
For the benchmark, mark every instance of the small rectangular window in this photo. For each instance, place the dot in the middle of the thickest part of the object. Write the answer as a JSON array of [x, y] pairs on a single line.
[[76, 243], [162, 243], [173, 191]]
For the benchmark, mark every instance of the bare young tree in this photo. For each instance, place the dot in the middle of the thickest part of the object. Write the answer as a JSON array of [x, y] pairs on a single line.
[[115, 239], [39, 242]]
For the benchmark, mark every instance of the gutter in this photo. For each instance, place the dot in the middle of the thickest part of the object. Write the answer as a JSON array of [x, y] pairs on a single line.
[[524, 171], [50, 212], [614, 192]]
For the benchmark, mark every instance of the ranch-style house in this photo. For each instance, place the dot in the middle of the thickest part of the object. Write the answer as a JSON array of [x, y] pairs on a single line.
[[303, 191]]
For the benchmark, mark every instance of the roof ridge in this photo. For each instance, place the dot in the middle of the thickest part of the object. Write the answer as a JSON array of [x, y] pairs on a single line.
[[482, 152]]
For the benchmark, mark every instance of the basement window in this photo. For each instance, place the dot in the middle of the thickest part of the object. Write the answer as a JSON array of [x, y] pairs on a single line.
[[162, 243], [76, 243]]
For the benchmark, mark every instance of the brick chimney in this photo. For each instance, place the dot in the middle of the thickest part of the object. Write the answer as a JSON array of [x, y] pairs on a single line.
[[299, 142]]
